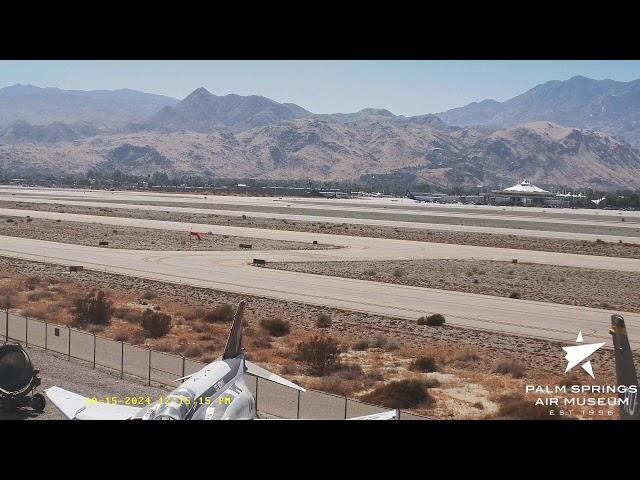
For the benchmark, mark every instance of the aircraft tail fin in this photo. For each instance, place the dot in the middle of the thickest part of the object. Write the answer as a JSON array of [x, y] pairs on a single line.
[[233, 348], [625, 370]]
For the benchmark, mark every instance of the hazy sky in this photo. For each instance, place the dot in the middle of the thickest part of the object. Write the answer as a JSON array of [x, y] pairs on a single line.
[[404, 87]]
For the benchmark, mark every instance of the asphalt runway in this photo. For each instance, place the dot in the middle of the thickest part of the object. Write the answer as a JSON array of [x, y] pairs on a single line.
[[381, 202], [545, 230]]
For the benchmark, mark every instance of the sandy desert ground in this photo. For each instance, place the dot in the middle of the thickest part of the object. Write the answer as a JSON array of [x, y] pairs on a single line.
[[545, 283], [134, 238]]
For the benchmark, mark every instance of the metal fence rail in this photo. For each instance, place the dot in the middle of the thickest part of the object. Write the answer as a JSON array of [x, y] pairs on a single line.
[[163, 369]]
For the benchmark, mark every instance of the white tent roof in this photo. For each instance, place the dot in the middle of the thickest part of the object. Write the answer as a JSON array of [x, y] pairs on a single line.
[[525, 187]]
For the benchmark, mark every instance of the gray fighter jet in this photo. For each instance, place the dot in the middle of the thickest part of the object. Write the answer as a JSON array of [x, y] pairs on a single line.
[[625, 370], [216, 392]]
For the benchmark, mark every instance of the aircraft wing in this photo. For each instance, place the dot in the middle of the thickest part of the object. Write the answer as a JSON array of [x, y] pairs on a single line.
[[257, 371], [77, 407], [390, 415]]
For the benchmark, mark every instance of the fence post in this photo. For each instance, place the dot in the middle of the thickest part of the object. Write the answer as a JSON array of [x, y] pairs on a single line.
[[26, 331], [6, 325], [298, 413], [183, 365], [149, 365], [94, 350], [346, 402], [257, 383], [69, 332], [46, 334], [122, 359]]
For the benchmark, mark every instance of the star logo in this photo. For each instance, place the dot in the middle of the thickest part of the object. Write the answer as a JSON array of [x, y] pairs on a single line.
[[577, 353]]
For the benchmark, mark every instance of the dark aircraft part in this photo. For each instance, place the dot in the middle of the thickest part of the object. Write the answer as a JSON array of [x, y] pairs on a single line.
[[626, 375], [18, 378]]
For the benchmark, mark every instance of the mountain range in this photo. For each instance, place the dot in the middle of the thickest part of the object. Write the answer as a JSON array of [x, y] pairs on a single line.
[[554, 134], [607, 105]]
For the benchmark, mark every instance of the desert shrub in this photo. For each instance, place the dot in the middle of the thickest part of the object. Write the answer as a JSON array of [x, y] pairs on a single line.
[[434, 320], [478, 405], [514, 294], [320, 354], [164, 346], [375, 375], [424, 364], [37, 295], [192, 350], [323, 320], [128, 314], [400, 394], [361, 344], [431, 382], [194, 313], [7, 300], [467, 353], [261, 343], [508, 366], [516, 407], [128, 336], [156, 324], [276, 327], [398, 272], [384, 342], [221, 313], [338, 386], [348, 371], [38, 310], [94, 308], [32, 282], [149, 294], [570, 380]]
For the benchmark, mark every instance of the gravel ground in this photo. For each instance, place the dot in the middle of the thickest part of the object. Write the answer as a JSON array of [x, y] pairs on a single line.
[[623, 250], [135, 238], [546, 283], [55, 370]]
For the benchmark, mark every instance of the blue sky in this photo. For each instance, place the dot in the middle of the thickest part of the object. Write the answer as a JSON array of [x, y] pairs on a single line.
[[404, 87]]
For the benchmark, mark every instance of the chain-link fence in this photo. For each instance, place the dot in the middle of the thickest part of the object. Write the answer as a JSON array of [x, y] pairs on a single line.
[[161, 368]]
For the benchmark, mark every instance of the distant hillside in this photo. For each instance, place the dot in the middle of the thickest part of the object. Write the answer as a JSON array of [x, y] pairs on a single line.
[[310, 148], [101, 108], [202, 111], [607, 105], [23, 132]]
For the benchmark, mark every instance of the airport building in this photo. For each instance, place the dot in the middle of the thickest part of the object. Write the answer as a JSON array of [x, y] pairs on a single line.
[[526, 194]]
